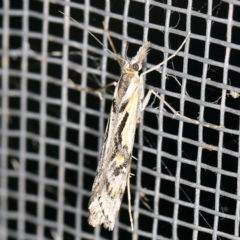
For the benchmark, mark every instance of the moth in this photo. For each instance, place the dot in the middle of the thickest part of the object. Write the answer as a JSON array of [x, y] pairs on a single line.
[[115, 161], [113, 170]]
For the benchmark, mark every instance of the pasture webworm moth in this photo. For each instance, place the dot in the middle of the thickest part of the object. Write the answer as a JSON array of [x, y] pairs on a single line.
[[113, 171]]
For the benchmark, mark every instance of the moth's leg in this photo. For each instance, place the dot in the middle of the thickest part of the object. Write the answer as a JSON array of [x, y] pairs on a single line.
[[147, 98], [129, 202], [89, 90]]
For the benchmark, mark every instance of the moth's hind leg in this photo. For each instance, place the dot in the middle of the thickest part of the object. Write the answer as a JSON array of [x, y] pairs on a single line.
[[176, 114]]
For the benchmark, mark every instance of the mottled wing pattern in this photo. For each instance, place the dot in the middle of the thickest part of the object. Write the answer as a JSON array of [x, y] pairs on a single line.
[[114, 166]]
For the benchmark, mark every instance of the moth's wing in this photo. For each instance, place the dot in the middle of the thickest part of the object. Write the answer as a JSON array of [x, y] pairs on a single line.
[[104, 206], [114, 166], [108, 148]]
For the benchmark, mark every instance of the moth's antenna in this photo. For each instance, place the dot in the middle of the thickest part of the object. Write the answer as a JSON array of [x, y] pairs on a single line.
[[93, 36], [112, 45], [166, 60], [126, 50]]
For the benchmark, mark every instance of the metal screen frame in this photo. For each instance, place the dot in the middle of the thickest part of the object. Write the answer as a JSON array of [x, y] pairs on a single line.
[[186, 182]]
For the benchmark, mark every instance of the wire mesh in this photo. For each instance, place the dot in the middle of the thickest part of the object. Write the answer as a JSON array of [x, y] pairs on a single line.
[[186, 183]]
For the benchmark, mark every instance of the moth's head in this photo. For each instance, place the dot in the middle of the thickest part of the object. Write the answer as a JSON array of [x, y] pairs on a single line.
[[136, 62]]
